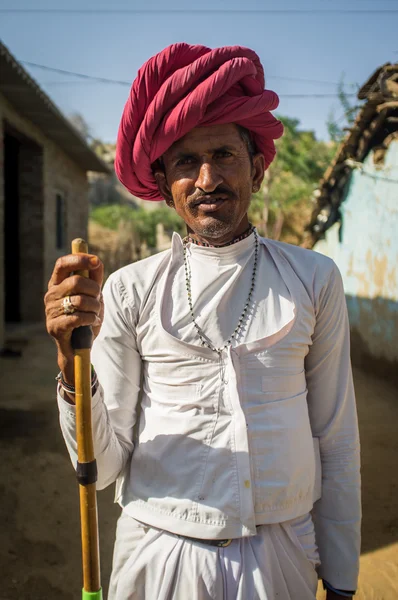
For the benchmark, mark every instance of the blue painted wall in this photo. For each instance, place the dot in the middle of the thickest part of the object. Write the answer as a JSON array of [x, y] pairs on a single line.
[[365, 248]]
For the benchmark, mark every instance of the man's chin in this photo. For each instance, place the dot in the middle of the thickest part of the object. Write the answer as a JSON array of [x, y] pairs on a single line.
[[214, 228]]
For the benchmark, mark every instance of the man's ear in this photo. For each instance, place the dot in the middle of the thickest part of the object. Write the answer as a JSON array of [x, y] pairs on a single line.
[[258, 170], [163, 186]]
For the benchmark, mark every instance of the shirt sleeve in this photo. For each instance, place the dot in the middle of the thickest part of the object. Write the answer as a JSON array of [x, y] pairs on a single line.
[[332, 410], [114, 405]]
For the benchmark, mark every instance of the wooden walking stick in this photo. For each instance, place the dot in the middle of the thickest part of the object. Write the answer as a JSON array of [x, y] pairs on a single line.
[[86, 471]]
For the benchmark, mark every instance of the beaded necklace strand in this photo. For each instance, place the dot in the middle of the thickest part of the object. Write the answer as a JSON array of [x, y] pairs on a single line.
[[237, 239], [245, 309]]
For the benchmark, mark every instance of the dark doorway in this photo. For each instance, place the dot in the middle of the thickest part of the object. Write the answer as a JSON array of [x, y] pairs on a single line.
[[23, 228], [11, 230]]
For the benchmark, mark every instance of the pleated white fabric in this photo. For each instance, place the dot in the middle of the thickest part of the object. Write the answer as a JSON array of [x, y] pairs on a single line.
[[279, 563]]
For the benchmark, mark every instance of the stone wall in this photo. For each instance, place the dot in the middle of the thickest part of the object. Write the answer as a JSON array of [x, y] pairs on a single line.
[[59, 175]]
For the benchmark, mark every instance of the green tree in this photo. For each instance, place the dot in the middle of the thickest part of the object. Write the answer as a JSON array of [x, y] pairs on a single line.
[[282, 206], [143, 221]]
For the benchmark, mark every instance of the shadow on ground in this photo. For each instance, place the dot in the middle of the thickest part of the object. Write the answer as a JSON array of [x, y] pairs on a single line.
[[40, 556], [40, 536]]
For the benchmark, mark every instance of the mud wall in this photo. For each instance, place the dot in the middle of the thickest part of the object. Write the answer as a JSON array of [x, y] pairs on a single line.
[[365, 247]]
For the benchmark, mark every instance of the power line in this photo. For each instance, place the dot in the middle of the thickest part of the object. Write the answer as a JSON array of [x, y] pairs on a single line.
[[314, 95], [71, 82], [82, 75], [124, 11], [125, 83], [295, 96], [303, 80]]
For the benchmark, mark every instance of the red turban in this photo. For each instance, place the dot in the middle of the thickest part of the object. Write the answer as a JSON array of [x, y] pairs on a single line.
[[184, 87]]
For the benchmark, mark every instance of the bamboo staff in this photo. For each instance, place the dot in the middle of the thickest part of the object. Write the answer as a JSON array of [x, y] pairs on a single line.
[[86, 471]]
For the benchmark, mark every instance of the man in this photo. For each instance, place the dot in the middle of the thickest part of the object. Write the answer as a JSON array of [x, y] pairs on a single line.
[[225, 409]]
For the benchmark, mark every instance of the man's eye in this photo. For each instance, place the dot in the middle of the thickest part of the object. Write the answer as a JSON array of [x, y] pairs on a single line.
[[224, 154], [185, 161]]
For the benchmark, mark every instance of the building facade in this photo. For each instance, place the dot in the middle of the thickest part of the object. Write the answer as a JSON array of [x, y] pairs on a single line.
[[43, 193], [355, 222]]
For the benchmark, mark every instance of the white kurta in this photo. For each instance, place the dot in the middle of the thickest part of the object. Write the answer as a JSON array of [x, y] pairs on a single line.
[[226, 447]]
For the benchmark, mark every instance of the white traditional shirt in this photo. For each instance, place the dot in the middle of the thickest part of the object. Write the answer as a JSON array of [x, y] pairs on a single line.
[[212, 446]]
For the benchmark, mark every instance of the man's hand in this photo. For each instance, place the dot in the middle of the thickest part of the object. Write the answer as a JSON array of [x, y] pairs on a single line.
[[85, 295]]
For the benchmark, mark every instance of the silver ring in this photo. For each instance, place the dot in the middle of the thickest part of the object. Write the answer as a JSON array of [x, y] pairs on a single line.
[[67, 306]]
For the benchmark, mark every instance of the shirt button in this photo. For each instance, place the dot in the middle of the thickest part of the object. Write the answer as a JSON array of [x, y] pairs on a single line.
[[247, 484], [225, 381]]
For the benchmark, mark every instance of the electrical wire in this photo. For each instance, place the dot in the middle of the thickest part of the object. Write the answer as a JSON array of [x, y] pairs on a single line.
[[171, 11], [82, 75], [315, 95], [304, 80], [93, 78]]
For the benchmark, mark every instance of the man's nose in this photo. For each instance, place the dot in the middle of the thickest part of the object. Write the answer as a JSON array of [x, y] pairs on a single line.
[[208, 179]]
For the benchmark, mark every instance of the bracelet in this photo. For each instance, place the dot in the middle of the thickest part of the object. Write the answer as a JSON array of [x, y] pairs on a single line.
[[70, 388]]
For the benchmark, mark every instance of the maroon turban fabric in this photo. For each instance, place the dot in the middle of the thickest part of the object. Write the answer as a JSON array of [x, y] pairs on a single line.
[[184, 87]]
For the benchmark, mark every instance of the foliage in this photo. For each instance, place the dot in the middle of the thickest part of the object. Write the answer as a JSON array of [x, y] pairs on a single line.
[[170, 220], [111, 215], [336, 127], [143, 221], [290, 182], [299, 153]]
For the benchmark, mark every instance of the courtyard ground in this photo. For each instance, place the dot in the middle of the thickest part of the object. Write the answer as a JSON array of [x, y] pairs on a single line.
[[39, 532]]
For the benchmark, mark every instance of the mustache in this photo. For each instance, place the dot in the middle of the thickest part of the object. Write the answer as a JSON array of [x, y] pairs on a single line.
[[199, 195]]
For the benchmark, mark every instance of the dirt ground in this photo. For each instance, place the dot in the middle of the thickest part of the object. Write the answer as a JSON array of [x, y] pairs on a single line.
[[39, 532]]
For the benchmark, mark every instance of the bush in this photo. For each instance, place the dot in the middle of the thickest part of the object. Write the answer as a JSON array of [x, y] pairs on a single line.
[[143, 221]]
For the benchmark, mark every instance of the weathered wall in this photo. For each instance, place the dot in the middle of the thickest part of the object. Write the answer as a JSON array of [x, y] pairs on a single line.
[[366, 252], [60, 175]]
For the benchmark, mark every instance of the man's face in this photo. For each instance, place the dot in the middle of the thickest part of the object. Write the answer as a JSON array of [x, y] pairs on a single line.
[[209, 178]]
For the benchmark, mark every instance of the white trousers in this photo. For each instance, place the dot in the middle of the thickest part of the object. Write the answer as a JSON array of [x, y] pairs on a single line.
[[279, 563]]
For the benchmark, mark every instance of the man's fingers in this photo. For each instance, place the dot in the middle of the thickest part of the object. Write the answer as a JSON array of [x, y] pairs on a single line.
[[75, 285], [69, 263], [85, 303], [85, 296], [97, 273], [65, 323]]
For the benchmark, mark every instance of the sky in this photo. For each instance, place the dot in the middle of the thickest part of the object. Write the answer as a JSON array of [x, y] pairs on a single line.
[[303, 53]]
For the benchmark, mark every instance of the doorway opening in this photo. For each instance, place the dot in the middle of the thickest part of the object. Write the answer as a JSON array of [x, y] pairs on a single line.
[[23, 229]]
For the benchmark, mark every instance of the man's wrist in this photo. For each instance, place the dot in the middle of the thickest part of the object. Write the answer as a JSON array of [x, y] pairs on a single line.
[[67, 368]]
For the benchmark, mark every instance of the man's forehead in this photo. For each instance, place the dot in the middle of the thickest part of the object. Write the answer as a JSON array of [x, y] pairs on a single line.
[[207, 138]]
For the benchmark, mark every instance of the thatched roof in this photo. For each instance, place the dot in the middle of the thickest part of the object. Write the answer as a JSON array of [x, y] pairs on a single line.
[[376, 125]]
